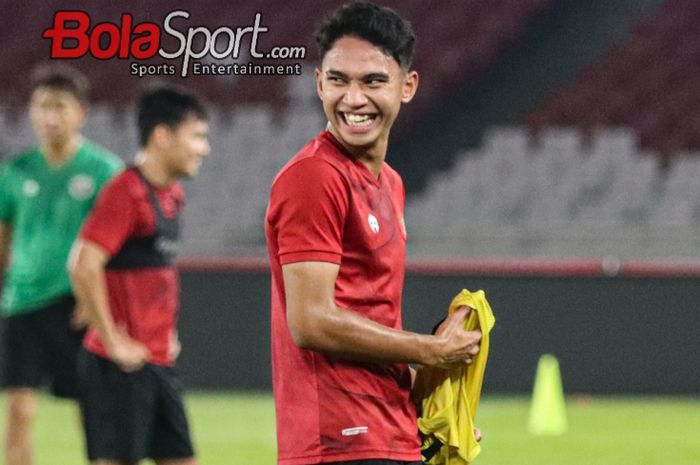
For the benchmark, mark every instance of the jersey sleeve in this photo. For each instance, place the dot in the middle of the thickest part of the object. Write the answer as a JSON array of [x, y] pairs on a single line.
[[113, 218], [6, 199], [308, 208]]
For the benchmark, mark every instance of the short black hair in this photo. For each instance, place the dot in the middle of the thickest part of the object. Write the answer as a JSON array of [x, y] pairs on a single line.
[[166, 105], [378, 25], [61, 76]]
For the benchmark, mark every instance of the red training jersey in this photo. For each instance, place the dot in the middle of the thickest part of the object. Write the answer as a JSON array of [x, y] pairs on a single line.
[[145, 301], [326, 206]]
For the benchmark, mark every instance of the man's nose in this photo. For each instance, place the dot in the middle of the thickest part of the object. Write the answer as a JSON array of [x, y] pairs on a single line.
[[355, 95]]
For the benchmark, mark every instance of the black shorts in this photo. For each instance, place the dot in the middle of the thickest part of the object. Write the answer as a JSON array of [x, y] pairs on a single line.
[[41, 348], [132, 416]]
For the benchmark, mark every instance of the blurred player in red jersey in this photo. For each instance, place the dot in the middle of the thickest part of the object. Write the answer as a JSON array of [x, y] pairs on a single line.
[[45, 194], [123, 273], [336, 241]]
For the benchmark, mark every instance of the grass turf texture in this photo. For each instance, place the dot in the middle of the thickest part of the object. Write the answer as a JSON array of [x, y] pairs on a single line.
[[238, 428]]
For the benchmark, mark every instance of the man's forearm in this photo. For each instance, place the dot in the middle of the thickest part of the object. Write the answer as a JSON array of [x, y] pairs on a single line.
[[342, 332], [316, 323], [5, 240], [91, 291]]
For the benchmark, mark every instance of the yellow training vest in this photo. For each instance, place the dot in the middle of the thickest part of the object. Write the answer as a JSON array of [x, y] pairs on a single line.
[[453, 395]]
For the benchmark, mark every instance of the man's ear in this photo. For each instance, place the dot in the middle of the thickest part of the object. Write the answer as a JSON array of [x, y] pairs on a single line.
[[161, 136], [84, 111], [319, 83], [410, 86]]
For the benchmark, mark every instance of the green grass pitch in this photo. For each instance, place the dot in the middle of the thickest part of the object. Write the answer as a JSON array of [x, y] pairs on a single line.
[[238, 429]]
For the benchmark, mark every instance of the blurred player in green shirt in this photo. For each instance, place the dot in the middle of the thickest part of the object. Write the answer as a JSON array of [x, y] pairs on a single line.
[[45, 193]]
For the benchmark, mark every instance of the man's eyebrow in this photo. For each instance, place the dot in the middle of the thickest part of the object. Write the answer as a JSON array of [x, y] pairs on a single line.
[[336, 73], [366, 77], [375, 76]]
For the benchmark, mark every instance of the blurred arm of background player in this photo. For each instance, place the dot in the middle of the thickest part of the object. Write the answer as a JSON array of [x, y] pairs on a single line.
[[79, 318], [5, 239], [87, 270], [316, 323]]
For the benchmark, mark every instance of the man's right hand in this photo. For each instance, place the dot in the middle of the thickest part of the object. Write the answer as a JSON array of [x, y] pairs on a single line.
[[453, 345], [129, 354]]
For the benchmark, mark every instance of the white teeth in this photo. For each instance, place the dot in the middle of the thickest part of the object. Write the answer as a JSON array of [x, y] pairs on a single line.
[[358, 120]]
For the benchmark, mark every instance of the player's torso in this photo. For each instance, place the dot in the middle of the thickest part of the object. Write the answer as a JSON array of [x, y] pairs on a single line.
[[371, 274], [48, 206], [50, 203], [360, 408], [142, 281], [154, 239]]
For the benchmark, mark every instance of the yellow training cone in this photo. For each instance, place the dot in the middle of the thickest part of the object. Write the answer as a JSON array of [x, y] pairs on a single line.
[[548, 409]]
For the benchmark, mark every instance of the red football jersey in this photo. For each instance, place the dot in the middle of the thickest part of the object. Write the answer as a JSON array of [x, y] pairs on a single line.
[[326, 206], [144, 301]]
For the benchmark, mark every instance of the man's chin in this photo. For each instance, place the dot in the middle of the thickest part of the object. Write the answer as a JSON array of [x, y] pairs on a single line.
[[355, 141], [191, 173], [55, 140]]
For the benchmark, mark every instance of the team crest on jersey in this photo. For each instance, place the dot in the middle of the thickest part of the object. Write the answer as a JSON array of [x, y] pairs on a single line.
[[30, 188], [373, 223], [81, 187]]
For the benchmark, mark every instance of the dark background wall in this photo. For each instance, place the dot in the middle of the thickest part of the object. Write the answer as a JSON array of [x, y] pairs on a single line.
[[620, 334]]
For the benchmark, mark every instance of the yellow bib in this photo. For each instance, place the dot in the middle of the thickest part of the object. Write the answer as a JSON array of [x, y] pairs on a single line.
[[453, 395]]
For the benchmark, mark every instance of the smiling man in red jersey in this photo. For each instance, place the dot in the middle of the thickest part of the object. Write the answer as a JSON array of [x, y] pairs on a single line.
[[337, 244]]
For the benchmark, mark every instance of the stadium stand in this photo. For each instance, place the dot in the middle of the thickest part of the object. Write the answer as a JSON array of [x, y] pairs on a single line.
[[559, 195], [545, 188], [645, 84]]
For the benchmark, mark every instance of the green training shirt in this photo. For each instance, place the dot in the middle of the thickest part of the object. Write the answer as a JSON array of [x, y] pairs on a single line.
[[44, 207]]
